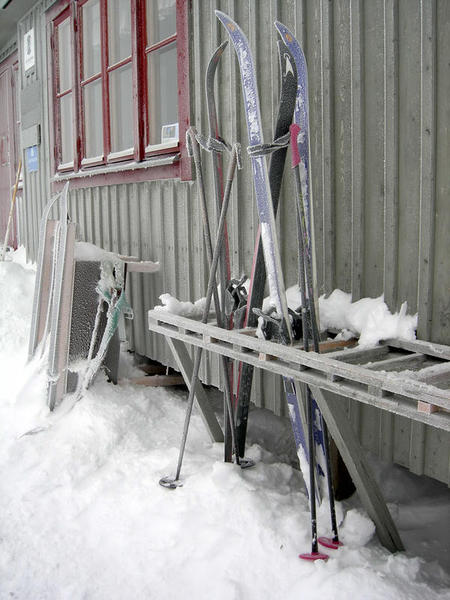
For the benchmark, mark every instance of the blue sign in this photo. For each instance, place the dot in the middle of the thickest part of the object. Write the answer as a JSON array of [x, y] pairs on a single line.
[[32, 159]]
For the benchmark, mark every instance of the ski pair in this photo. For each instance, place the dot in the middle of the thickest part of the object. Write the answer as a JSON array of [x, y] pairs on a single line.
[[217, 259], [271, 251], [236, 297]]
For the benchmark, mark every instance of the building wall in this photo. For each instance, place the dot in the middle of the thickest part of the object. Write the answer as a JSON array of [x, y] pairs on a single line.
[[378, 83]]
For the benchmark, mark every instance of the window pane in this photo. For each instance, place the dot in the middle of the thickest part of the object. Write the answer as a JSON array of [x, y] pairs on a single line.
[[121, 108], [93, 124], [91, 38], [64, 56], [163, 95], [161, 20], [65, 106], [119, 30]]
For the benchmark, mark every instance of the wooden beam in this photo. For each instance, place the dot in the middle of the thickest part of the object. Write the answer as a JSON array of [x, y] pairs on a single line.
[[435, 373], [350, 380], [406, 361], [353, 455], [157, 380], [185, 367]]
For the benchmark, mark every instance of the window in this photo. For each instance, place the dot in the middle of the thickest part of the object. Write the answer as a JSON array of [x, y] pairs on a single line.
[[118, 73]]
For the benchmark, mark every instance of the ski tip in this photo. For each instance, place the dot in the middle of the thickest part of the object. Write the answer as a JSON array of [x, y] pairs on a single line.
[[170, 483], [284, 32], [227, 21], [330, 543], [312, 556]]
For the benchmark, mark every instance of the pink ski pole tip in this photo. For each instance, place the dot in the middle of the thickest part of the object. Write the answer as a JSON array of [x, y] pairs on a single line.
[[314, 556], [330, 543]]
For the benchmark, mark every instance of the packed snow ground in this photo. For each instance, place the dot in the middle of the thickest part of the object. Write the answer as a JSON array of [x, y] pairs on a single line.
[[82, 515]]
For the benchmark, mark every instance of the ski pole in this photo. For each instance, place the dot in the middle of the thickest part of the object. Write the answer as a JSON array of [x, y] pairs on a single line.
[[174, 482], [334, 543], [11, 210]]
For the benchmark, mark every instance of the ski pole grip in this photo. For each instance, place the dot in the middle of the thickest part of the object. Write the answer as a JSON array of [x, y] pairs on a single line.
[[294, 130]]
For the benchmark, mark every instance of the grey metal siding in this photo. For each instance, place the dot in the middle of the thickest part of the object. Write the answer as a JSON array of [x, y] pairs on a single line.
[[379, 82]]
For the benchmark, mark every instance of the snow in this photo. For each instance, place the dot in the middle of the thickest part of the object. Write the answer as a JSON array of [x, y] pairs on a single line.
[[368, 319], [91, 252], [186, 309], [82, 515]]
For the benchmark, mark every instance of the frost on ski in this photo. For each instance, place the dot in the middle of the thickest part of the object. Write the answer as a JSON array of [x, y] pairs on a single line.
[[251, 99]]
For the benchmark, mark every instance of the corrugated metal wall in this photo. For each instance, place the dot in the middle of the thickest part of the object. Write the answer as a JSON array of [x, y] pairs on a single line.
[[33, 112], [379, 85]]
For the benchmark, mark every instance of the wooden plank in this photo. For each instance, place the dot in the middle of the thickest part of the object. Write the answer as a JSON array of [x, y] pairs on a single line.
[[435, 373], [417, 448], [157, 380], [397, 362], [429, 348], [360, 355], [292, 358], [330, 346], [185, 367], [153, 369], [360, 472], [397, 404]]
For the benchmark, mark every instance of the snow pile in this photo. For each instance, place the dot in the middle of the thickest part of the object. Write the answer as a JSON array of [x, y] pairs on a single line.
[[91, 252], [184, 309], [83, 516], [369, 318]]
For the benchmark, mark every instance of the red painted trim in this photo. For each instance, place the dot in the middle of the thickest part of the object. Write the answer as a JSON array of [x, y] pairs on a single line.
[[137, 43], [76, 107], [161, 44], [90, 79], [8, 69], [91, 179], [105, 78], [184, 100], [183, 168], [121, 63], [53, 12], [62, 94]]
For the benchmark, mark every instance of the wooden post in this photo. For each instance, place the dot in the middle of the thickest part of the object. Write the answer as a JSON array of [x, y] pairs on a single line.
[[185, 367]]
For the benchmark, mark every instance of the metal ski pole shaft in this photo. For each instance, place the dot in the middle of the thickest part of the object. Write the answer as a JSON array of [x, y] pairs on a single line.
[[211, 291], [295, 129], [194, 146]]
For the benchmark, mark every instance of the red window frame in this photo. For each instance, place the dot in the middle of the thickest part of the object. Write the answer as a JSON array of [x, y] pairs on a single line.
[[87, 172]]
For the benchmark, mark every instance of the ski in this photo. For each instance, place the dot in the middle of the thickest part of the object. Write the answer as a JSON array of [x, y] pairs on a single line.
[[301, 150], [288, 91], [257, 149], [301, 119], [216, 146]]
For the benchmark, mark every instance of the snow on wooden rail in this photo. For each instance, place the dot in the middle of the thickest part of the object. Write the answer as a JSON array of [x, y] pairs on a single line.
[[351, 373]]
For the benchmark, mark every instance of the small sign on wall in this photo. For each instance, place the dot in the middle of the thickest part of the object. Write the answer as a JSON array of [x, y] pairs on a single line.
[[28, 50], [32, 156]]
